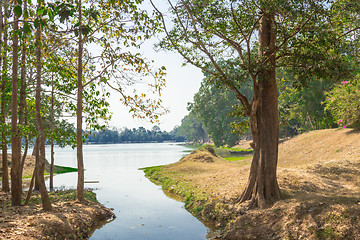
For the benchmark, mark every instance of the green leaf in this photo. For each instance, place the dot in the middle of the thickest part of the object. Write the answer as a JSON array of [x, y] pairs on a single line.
[[18, 11], [40, 11], [36, 23], [27, 28]]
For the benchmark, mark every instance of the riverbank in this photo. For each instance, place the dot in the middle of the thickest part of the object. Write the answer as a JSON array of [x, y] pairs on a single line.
[[68, 219], [319, 176]]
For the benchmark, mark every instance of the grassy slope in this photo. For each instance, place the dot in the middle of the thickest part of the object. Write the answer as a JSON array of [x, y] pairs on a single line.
[[318, 172]]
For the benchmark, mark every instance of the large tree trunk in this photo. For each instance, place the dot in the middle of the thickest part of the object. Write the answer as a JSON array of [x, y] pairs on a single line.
[[262, 188], [79, 143], [40, 155], [3, 61], [16, 181]]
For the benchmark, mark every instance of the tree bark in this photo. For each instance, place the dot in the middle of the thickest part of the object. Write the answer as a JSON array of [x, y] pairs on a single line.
[[35, 150], [29, 193], [40, 155], [79, 149], [262, 188], [52, 140], [16, 181], [23, 92], [3, 59]]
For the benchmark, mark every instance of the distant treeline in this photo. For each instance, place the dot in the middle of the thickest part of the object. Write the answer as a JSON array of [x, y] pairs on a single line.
[[139, 135]]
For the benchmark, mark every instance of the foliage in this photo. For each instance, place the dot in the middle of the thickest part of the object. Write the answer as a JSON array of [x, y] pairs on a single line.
[[192, 129], [139, 135], [220, 112], [343, 102], [301, 108], [111, 33]]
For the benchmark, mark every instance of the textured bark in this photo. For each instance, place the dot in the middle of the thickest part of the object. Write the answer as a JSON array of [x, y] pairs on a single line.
[[3, 59], [79, 142], [16, 180], [262, 188], [29, 193], [40, 155], [35, 150], [25, 154]]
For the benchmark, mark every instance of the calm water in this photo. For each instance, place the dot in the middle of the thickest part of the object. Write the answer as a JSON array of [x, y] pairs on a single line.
[[142, 210]]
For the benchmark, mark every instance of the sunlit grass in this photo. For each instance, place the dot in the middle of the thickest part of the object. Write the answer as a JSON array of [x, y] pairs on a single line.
[[237, 158], [63, 196]]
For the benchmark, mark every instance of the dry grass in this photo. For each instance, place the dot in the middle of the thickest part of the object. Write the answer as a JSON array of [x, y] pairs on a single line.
[[318, 173]]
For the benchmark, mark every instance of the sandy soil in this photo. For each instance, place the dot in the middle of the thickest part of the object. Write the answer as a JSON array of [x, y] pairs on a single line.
[[319, 176]]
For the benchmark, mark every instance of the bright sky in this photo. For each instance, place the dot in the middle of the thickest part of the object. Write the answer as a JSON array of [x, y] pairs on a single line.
[[181, 85]]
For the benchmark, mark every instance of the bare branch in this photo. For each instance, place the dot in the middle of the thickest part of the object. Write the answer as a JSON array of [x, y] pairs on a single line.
[[350, 31], [298, 29]]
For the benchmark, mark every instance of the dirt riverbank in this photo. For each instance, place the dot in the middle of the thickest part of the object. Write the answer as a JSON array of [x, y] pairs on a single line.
[[68, 220], [319, 176]]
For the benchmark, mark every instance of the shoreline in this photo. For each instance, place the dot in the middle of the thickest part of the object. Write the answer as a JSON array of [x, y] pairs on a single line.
[[69, 219], [318, 181]]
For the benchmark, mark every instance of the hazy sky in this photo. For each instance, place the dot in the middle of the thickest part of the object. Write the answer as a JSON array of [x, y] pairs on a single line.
[[181, 85]]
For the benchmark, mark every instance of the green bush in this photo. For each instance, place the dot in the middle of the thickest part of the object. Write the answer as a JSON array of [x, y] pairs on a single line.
[[343, 101]]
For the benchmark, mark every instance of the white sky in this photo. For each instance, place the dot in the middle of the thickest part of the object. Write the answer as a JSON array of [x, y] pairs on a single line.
[[181, 85]]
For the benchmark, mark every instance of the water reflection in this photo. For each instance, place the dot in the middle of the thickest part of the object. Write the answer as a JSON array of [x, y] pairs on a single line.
[[143, 211]]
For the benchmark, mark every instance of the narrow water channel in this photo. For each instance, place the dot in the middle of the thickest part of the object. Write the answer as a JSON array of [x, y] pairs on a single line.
[[142, 210]]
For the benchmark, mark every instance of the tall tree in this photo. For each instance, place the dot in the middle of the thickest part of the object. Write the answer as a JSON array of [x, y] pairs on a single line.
[[256, 37], [4, 82], [40, 153], [106, 24], [16, 180], [52, 128], [23, 86], [79, 110]]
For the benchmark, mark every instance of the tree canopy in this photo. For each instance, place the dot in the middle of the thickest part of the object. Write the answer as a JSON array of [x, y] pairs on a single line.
[[254, 38]]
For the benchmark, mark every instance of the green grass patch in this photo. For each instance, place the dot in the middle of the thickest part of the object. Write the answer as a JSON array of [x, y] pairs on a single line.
[[238, 149], [63, 196], [61, 169], [28, 176], [171, 183], [151, 170], [237, 158]]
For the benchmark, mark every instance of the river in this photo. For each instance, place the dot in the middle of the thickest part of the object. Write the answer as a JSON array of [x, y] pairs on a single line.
[[142, 210]]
